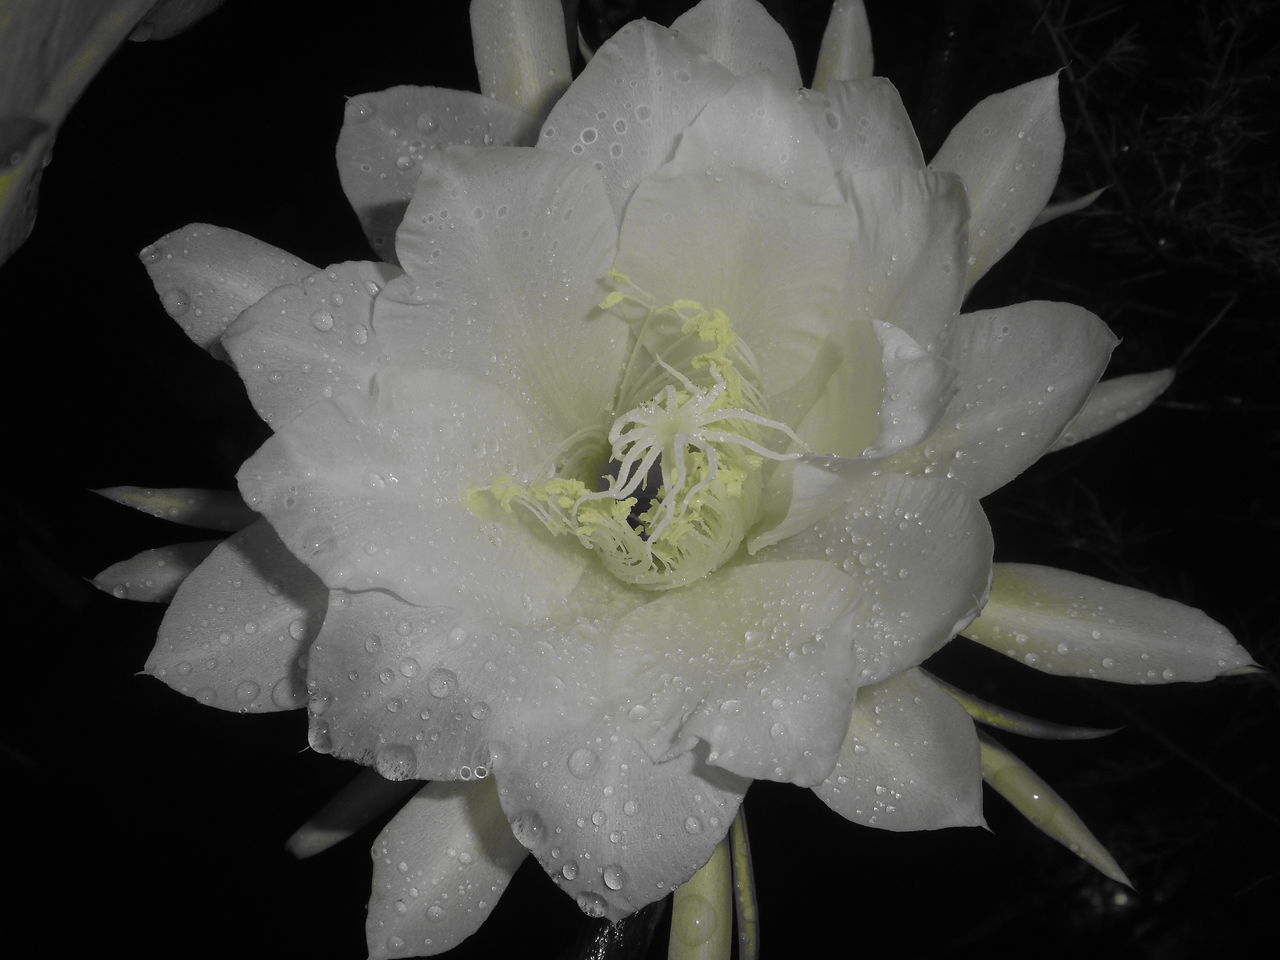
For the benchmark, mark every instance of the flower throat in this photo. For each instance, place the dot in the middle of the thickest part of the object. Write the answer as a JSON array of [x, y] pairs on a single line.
[[673, 484]]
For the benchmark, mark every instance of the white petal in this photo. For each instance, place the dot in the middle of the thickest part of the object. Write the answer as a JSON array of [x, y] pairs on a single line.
[[308, 341], [521, 51], [191, 506], [614, 829], [1022, 373], [865, 125], [774, 262], [909, 249], [153, 575], [759, 126], [1111, 403], [804, 491], [385, 136], [755, 660], [439, 868], [839, 398], [1062, 622], [404, 689], [505, 249], [1008, 151], [370, 492], [910, 761], [207, 275], [741, 35], [237, 626], [916, 391], [626, 111], [919, 554], [845, 53]]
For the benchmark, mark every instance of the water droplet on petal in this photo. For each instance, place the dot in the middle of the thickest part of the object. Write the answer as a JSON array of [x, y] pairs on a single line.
[[442, 683], [583, 763], [397, 761], [592, 904], [175, 302], [529, 830]]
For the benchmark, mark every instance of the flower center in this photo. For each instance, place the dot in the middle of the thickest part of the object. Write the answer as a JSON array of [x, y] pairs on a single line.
[[684, 460]]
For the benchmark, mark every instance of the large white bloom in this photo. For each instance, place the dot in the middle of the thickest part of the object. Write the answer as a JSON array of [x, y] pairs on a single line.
[[648, 465]]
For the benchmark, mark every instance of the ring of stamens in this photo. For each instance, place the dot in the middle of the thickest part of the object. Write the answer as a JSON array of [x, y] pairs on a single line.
[[705, 440]]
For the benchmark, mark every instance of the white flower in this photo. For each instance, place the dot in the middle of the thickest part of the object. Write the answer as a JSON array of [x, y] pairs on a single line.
[[651, 465]]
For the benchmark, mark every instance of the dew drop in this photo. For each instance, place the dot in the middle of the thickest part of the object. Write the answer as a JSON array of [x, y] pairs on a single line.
[[288, 694], [322, 320], [529, 830], [397, 761], [615, 878], [176, 302], [442, 683], [583, 763], [248, 691], [360, 110], [592, 904], [694, 920]]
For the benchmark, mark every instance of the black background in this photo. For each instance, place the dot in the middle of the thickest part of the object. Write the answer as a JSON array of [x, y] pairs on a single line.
[[140, 821]]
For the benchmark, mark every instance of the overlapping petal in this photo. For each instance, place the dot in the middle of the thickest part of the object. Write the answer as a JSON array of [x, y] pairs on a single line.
[[918, 553], [613, 828], [370, 492], [207, 275], [505, 251], [909, 249], [1008, 151], [741, 35], [629, 107], [439, 868], [386, 135], [756, 661], [309, 341], [1001, 420], [239, 624], [865, 125], [910, 760], [435, 693], [759, 125]]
